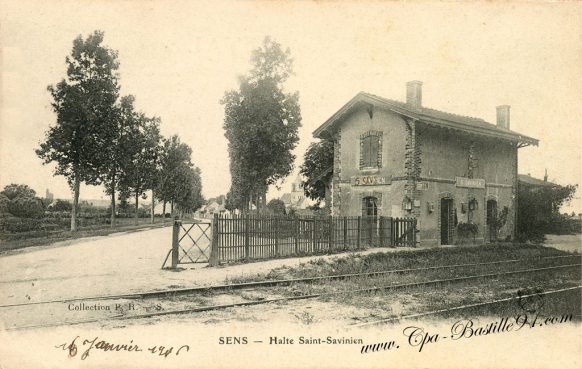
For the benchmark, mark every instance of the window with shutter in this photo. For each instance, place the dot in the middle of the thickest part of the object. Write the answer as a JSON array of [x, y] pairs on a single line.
[[371, 150]]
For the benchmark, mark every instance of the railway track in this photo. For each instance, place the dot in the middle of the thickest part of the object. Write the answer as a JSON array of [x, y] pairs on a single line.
[[256, 285], [280, 282], [461, 307]]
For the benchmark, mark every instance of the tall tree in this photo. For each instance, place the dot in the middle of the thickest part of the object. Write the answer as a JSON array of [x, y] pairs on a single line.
[[261, 124], [84, 103], [118, 153], [174, 157], [142, 154], [317, 169], [188, 193]]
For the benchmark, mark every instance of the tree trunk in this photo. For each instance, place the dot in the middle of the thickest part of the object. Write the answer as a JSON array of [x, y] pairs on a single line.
[[76, 190], [172, 209], [136, 207], [164, 212], [264, 199], [153, 206], [113, 206]]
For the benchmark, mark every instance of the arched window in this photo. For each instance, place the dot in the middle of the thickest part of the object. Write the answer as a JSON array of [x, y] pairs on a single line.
[[370, 206]]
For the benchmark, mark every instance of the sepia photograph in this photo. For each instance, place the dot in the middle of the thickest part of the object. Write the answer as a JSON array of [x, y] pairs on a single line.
[[290, 184]]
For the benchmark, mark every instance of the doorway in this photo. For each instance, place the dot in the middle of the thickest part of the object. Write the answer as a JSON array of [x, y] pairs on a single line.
[[369, 220], [492, 220], [447, 221]]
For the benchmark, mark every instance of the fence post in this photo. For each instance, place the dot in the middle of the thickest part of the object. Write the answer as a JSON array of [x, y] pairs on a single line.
[[247, 247], [345, 232], [214, 256], [175, 243], [358, 242], [330, 233], [277, 251], [392, 233], [381, 230], [414, 232], [296, 226], [314, 243]]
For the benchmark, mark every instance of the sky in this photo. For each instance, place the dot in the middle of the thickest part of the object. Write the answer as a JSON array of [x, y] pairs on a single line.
[[179, 58]]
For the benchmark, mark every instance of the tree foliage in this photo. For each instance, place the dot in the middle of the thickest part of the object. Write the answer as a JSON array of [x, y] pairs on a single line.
[[188, 196], [315, 169], [539, 211], [276, 207], [141, 153], [84, 104], [62, 205], [178, 180], [26, 207], [14, 190], [261, 125], [4, 203], [21, 201]]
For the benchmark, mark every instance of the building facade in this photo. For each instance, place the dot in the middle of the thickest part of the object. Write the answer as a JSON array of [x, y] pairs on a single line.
[[456, 175]]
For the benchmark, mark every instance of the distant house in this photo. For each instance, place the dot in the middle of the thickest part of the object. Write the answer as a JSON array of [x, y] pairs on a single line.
[[296, 198], [526, 180], [209, 210], [527, 183]]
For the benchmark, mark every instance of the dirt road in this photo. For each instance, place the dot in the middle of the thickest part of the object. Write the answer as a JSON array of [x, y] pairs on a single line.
[[115, 264]]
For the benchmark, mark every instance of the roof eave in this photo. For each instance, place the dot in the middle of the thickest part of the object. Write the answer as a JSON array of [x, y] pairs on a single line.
[[509, 136], [364, 97]]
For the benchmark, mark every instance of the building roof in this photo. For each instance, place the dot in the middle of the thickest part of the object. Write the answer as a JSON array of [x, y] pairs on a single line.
[[430, 116], [529, 180]]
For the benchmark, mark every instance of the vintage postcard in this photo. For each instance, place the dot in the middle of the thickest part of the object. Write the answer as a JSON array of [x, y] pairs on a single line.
[[294, 184]]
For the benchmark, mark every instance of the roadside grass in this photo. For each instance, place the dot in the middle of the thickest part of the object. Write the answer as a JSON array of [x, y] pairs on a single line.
[[389, 304], [9, 242], [409, 259]]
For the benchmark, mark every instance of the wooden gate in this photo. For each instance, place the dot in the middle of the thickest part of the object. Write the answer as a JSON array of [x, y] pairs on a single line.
[[191, 243]]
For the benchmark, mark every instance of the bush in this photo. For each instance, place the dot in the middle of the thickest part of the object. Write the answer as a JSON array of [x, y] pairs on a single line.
[[4, 203], [13, 191], [276, 207], [62, 205], [17, 225], [467, 229], [26, 207]]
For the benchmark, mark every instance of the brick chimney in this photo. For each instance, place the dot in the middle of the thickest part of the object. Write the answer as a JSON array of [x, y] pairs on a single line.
[[414, 94], [503, 116]]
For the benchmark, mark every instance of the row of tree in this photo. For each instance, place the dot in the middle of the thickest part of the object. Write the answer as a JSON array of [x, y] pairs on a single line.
[[100, 139]]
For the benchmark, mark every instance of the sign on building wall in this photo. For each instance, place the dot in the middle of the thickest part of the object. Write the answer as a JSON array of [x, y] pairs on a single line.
[[422, 186], [470, 182], [371, 180]]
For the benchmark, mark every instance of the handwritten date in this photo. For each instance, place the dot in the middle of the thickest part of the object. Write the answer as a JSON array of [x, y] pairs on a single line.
[[87, 345]]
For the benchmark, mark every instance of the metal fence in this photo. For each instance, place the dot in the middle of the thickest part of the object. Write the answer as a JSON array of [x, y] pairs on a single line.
[[247, 237]]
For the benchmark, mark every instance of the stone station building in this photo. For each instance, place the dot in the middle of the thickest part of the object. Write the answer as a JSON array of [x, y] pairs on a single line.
[[401, 159]]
